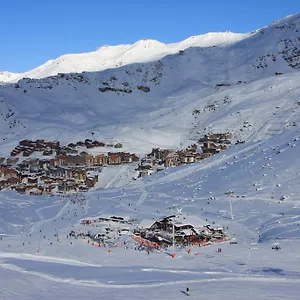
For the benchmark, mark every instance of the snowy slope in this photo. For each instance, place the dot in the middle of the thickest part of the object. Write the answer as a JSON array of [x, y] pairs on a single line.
[[166, 103], [107, 57], [261, 177], [9, 77], [253, 173]]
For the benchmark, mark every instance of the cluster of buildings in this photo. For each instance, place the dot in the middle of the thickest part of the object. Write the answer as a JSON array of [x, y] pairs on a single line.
[[58, 169], [184, 231], [181, 231], [70, 168], [31, 178], [27, 147], [210, 144]]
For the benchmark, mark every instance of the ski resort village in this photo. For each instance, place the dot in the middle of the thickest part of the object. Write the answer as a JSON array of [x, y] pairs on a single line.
[[153, 170], [73, 171]]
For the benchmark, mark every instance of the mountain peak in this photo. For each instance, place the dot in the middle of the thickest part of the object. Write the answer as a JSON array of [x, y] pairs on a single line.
[[6, 76], [145, 50], [148, 43]]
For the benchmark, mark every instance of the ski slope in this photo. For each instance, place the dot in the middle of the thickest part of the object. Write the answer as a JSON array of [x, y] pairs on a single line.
[[261, 220], [231, 87]]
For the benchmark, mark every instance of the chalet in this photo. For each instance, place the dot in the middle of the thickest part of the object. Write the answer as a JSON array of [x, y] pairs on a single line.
[[2, 160], [3, 184], [189, 236], [36, 170], [28, 151], [8, 172], [20, 189], [89, 160], [60, 151], [71, 145], [211, 148], [159, 154], [32, 180], [91, 181], [125, 157], [35, 191], [46, 163], [83, 188], [66, 149], [47, 152], [172, 159], [16, 152], [53, 145], [218, 137], [118, 145], [26, 143], [77, 174], [64, 187], [24, 177], [100, 160], [165, 224], [216, 232], [73, 160], [134, 158], [33, 162], [19, 148], [147, 162], [58, 161], [56, 172], [187, 230], [47, 180], [146, 172], [114, 158], [49, 188], [192, 148], [40, 145], [95, 143], [13, 180], [90, 146], [187, 158]]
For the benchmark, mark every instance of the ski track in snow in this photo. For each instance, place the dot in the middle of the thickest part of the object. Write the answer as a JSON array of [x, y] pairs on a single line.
[[95, 283]]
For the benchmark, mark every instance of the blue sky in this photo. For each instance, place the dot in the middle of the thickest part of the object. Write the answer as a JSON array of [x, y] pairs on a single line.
[[34, 31]]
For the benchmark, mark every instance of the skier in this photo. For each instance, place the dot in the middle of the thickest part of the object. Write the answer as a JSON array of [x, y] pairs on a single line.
[[187, 291]]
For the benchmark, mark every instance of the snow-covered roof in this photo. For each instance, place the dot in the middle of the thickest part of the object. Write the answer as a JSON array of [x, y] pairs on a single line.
[[146, 223], [195, 221]]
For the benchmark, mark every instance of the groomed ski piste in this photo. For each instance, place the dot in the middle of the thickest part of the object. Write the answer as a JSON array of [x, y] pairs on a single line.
[[39, 260]]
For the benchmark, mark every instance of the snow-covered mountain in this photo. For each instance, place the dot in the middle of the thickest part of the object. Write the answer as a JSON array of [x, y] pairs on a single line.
[[108, 57], [9, 77], [166, 102], [248, 87]]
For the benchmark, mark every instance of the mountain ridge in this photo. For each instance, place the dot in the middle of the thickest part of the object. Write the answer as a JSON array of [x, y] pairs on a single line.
[[197, 87], [114, 56]]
